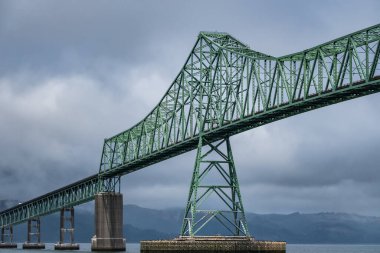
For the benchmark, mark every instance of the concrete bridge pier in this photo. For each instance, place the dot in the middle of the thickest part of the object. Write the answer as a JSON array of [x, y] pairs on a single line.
[[66, 226], [108, 222], [34, 228], [7, 237]]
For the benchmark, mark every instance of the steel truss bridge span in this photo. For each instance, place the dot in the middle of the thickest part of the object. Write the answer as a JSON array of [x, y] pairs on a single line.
[[224, 88]]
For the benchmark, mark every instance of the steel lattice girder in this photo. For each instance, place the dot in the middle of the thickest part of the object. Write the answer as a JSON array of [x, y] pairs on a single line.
[[223, 89], [74, 194]]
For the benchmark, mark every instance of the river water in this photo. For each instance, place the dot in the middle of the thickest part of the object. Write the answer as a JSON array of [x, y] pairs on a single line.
[[291, 248]]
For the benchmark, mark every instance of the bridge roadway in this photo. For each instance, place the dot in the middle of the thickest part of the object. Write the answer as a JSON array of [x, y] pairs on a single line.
[[223, 89]]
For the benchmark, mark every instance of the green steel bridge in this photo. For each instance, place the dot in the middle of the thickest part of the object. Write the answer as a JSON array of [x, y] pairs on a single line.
[[224, 88]]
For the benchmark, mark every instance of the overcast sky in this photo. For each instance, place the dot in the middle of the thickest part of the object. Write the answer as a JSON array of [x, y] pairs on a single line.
[[75, 72]]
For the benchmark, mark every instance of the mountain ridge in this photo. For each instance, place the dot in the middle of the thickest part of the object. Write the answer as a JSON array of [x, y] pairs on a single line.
[[142, 223]]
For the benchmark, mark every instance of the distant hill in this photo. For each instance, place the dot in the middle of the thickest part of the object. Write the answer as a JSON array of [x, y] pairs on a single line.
[[293, 228], [334, 228], [146, 224]]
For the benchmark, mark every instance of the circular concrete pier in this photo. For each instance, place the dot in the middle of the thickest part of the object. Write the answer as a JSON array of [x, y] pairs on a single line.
[[7, 245], [220, 244], [66, 246], [33, 245]]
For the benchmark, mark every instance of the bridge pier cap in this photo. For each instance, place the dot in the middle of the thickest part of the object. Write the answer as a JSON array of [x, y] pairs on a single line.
[[108, 222]]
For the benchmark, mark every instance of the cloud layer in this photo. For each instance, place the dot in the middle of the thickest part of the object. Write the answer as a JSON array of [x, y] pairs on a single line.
[[72, 74]]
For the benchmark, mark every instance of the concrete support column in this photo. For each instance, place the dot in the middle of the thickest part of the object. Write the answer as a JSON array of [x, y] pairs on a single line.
[[7, 237], [108, 222], [34, 229], [66, 226]]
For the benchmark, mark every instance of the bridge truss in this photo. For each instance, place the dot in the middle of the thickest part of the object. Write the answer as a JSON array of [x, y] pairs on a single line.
[[224, 88]]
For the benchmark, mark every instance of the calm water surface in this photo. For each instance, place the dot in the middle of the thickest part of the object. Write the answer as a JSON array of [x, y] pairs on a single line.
[[291, 248]]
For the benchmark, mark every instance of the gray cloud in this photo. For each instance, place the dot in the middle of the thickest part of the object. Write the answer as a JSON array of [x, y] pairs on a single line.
[[72, 74]]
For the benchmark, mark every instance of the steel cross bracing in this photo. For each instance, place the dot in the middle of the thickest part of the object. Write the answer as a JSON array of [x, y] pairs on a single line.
[[214, 178], [225, 88], [68, 196], [74, 194]]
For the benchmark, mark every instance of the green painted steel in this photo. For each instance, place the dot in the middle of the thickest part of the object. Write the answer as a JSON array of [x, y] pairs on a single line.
[[215, 162], [71, 195], [225, 88]]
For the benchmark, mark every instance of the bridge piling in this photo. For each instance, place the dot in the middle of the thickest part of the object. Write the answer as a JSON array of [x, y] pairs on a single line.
[[34, 229], [7, 237], [61, 245], [108, 222]]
